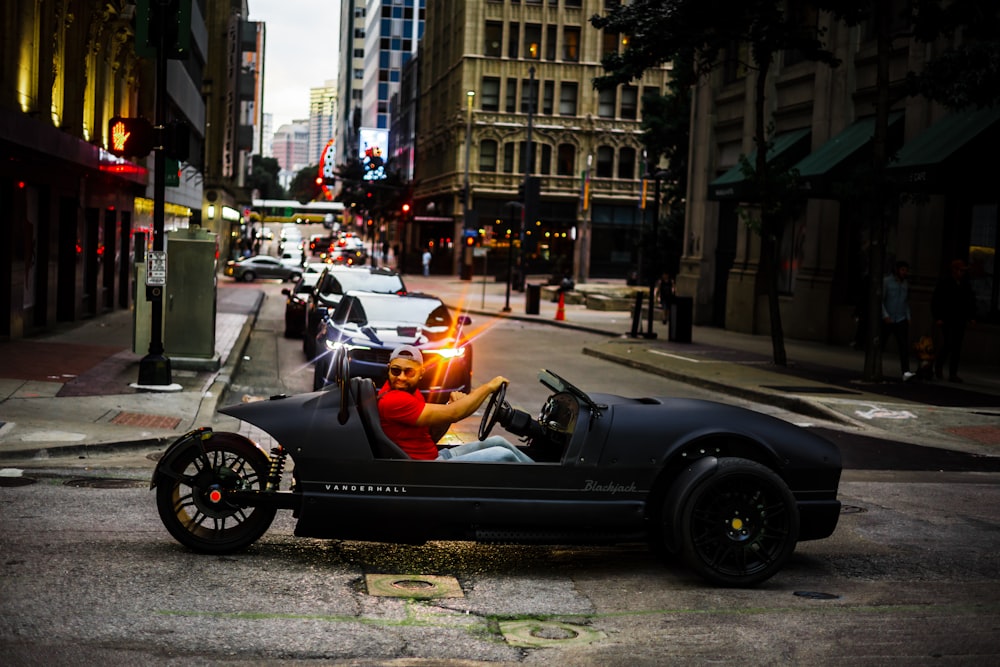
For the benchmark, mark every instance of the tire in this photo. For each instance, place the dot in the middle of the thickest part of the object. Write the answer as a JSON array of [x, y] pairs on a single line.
[[740, 525], [182, 494], [293, 278], [248, 276]]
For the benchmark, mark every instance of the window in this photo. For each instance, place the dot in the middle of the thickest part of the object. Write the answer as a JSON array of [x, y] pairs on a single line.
[[606, 103], [567, 98], [630, 102], [532, 41], [566, 160], [488, 155], [494, 39], [545, 168], [508, 158], [491, 93], [511, 104], [548, 97], [626, 163], [571, 44], [513, 32], [605, 162], [609, 42], [550, 41]]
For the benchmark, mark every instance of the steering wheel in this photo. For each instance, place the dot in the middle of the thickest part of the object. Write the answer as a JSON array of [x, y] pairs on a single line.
[[492, 414]]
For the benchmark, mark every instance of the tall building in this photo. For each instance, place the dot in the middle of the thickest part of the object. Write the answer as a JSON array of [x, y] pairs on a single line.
[[73, 212], [514, 56], [393, 29], [943, 178], [234, 90], [291, 150], [267, 130], [352, 74], [322, 118]]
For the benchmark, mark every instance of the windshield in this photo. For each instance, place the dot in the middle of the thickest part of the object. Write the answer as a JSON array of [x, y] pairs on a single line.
[[364, 281], [428, 313]]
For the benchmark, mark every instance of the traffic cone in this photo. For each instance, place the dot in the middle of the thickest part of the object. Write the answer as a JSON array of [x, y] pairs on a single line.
[[561, 309]]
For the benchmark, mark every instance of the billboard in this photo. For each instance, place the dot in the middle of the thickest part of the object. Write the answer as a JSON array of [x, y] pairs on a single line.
[[374, 147]]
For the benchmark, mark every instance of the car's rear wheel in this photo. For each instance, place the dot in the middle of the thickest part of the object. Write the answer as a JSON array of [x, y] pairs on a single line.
[[739, 525], [248, 276]]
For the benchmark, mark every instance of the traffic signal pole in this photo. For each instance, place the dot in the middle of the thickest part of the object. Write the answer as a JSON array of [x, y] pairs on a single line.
[[154, 368]]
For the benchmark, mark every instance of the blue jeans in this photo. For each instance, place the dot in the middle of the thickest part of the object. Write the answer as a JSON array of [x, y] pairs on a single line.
[[491, 450]]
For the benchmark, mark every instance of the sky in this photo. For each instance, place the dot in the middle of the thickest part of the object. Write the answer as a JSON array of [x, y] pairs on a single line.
[[300, 52]]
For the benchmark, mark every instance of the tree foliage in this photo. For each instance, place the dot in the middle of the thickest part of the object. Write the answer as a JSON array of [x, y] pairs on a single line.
[[304, 187], [264, 178]]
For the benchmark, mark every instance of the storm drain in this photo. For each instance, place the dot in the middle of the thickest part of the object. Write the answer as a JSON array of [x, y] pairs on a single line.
[[146, 421], [540, 634], [418, 586], [106, 483], [16, 480]]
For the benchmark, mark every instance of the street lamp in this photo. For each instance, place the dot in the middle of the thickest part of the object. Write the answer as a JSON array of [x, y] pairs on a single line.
[[514, 206], [654, 255], [466, 191]]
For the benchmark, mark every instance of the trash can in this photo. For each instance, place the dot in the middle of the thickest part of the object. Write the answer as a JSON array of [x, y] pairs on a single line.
[[532, 297], [681, 313]]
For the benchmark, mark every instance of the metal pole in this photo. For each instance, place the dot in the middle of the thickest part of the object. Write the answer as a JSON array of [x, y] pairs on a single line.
[[468, 223], [154, 368], [654, 259], [513, 205], [528, 164]]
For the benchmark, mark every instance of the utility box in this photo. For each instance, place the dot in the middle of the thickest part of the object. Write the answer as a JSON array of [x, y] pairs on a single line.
[[189, 303]]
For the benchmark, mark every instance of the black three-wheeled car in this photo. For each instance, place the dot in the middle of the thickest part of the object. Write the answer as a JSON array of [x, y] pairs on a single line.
[[728, 490]]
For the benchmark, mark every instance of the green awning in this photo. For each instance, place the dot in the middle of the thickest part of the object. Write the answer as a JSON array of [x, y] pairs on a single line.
[[834, 160], [959, 149], [733, 185]]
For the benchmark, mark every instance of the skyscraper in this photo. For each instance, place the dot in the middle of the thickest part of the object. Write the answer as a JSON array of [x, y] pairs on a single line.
[[322, 118]]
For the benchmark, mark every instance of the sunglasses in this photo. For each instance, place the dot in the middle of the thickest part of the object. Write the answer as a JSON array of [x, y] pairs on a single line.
[[396, 371]]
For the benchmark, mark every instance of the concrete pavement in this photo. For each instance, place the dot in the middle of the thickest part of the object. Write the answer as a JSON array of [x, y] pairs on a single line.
[[69, 390]]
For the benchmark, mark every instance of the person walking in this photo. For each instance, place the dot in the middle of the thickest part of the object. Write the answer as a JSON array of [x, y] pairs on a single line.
[[896, 314], [953, 306], [426, 259]]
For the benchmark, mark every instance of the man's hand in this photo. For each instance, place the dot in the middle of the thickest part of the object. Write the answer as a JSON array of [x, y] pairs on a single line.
[[495, 383], [456, 396]]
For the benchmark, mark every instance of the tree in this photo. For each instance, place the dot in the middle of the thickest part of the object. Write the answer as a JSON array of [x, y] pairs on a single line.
[[705, 34], [264, 178], [304, 188]]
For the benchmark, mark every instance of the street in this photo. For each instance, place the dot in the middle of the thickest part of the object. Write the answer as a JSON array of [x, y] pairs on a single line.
[[911, 576]]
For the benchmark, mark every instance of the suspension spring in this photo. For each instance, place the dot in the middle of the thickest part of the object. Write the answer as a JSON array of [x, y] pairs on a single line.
[[278, 456]]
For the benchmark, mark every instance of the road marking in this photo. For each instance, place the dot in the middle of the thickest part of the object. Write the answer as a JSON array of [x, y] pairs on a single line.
[[884, 413], [675, 356]]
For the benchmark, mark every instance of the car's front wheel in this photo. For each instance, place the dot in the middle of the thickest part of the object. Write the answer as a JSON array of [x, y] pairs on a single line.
[[191, 494], [739, 525]]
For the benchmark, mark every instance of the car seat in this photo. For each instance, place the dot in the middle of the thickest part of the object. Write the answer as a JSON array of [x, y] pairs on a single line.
[[366, 398]]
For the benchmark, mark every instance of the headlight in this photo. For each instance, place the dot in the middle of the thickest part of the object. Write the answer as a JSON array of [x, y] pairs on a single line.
[[447, 352]]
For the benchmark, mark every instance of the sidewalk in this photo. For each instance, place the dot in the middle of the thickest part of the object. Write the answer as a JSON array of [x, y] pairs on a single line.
[[70, 389]]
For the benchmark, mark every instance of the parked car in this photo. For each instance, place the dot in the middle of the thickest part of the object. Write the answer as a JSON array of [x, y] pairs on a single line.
[[249, 269], [334, 283], [370, 325], [296, 302]]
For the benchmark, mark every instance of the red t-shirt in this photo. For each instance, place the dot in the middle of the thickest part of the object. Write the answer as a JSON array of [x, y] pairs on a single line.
[[399, 411]]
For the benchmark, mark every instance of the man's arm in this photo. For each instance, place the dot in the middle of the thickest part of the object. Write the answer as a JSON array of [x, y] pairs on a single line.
[[435, 414]]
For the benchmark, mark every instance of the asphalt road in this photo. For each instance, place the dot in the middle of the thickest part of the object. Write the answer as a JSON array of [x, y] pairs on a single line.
[[912, 575]]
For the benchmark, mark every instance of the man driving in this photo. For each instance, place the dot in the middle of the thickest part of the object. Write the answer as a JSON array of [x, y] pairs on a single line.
[[409, 421]]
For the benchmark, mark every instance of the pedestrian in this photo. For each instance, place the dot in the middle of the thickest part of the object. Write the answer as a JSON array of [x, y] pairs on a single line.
[[953, 306], [665, 292], [896, 314], [426, 259]]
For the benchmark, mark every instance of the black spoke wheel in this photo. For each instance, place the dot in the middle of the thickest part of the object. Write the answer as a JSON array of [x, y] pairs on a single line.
[[191, 494], [492, 413], [740, 525]]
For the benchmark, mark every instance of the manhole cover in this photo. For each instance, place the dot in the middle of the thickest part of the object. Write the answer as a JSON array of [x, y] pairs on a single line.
[[424, 587], [16, 481], [146, 421], [852, 509], [106, 483], [538, 634]]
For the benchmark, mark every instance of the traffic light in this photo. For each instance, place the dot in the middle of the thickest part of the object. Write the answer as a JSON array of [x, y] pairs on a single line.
[[470, 241], [133, 137], [177, 139], [406, 209], [176, 27]]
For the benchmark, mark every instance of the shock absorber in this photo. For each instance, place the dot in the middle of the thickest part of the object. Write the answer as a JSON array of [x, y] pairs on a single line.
[[278, 456]]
